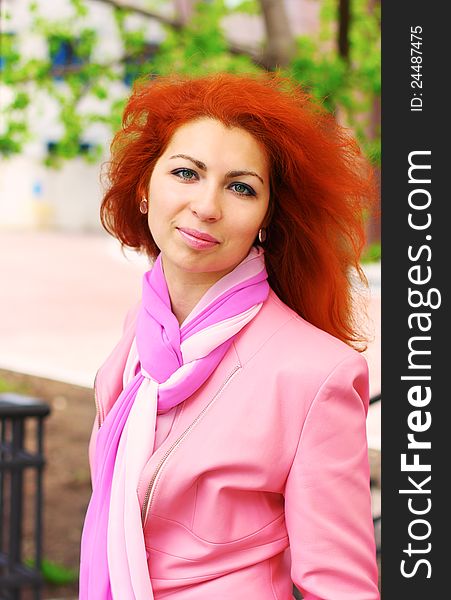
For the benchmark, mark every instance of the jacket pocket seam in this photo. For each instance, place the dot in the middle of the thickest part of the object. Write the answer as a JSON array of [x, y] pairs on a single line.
[[235, 541], [200, 560]]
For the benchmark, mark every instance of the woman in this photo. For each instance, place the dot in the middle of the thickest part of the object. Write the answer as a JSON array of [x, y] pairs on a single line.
[[229, 455]]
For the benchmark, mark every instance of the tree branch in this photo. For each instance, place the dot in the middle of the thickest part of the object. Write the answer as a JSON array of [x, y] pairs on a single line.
[[149, 14], [178, 25], [280, 42]]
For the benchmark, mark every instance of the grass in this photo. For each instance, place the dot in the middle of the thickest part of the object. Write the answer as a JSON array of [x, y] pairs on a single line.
[[54, 573], [17, 388]]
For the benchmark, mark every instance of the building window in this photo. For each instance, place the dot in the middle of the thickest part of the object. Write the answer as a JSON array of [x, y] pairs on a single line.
[[63, 54], [134, 66], [84, 148]]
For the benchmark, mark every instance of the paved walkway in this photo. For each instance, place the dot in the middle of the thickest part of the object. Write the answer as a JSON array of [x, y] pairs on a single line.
[[64, 297]]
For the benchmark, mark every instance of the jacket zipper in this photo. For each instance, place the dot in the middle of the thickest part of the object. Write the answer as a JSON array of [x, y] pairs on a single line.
[[147, 502]]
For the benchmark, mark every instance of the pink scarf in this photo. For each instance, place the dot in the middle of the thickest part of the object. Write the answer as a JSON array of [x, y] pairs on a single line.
[[173, 363]]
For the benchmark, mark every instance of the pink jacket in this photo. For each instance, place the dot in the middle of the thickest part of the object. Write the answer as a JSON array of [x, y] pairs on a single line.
[[263, 479]]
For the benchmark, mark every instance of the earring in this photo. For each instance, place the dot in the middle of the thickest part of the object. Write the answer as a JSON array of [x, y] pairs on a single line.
[[262, 235], [143, 206]]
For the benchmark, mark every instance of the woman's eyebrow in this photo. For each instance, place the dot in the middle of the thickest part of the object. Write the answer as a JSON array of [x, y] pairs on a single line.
[[203, 167], [199, 164], [239, 173]]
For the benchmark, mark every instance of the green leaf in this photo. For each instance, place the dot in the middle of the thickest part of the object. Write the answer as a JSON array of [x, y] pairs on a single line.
[[372, 253], [80, 8], [100, 91], [250, 7], [21, 101]]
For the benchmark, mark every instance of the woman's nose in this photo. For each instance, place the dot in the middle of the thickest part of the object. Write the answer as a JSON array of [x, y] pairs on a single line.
[[207, 204]]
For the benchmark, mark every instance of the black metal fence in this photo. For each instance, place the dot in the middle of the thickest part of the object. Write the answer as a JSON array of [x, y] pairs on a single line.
[[21, 466]]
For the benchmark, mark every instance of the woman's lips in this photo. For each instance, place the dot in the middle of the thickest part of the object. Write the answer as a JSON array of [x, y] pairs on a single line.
[[197, 239]]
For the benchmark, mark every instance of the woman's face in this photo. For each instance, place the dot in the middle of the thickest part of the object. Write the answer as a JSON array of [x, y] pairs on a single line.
[[208, 197]]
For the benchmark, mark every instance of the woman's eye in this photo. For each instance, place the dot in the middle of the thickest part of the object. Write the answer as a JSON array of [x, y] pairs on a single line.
[[242, 189], [187, 174]]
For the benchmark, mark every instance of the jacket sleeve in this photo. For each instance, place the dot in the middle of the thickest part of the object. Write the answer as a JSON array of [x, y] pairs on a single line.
[[327, 495]]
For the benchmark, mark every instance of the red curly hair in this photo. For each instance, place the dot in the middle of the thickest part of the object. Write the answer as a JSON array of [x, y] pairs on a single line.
[[320, 183]]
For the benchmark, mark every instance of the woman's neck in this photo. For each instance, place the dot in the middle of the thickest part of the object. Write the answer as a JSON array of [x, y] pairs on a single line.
[[184, 297], [186, 288]]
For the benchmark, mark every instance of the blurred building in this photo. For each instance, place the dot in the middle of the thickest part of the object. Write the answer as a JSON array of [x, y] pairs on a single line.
[[33, 196]]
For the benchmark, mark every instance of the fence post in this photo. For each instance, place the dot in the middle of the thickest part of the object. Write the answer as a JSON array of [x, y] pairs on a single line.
[[19, 453]]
